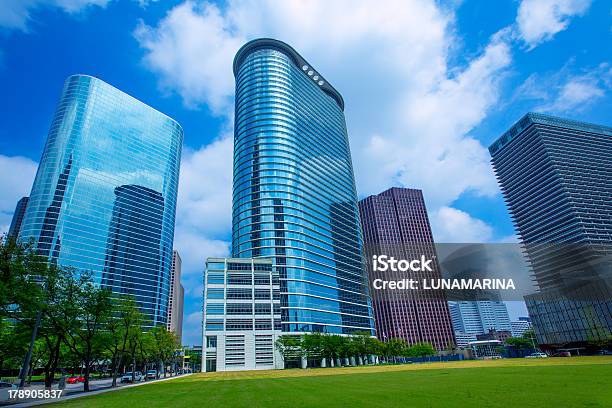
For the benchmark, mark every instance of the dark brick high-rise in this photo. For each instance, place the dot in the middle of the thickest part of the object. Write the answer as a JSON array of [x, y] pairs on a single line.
[[395, 223]]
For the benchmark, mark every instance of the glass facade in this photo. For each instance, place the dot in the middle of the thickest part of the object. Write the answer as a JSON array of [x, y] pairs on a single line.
[[17, 220], [294, 196], [104, 196], [556, 179]]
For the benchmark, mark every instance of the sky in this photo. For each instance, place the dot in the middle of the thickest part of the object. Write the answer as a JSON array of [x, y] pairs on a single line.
[[428, 86]]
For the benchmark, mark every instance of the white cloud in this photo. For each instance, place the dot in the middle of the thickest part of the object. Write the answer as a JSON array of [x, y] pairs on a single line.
[[452, 225], [539, 20], [192, 51], [204, 208], [575, 95], [16, 14], [205, 187], [22, 171], [567, 91]]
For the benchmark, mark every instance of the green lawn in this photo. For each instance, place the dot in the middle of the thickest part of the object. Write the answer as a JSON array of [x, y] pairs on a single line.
[[553, 382]]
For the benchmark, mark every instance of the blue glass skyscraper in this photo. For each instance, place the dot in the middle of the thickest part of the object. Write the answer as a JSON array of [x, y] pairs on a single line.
[[17, 220], [294, 197], [104, 197]]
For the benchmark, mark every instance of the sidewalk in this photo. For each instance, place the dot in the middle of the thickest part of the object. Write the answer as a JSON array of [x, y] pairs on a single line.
[[86, 394]]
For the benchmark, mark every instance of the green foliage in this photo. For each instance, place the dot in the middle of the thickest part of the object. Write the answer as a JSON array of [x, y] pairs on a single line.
[[289, 346], [80, 323], [421, 350], [358, 345], [519, 343]]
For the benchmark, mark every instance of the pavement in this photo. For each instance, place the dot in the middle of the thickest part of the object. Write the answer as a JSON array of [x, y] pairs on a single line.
[[76, 391]]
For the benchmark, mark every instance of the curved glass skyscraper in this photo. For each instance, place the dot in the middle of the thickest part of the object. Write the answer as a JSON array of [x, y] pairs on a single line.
[[294, 196], [104, 196]]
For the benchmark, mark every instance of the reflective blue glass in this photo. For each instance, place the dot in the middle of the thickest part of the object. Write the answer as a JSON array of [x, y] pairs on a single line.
[[104, 196], [294, 196]]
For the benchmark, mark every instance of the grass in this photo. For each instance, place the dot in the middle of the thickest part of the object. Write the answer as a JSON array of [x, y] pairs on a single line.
[[552, 382]]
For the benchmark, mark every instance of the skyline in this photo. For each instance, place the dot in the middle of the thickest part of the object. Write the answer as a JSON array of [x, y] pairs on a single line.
[[477, 62]]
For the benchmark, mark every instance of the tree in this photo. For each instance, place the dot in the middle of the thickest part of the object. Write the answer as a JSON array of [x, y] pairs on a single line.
[[393, 348], [125, 321], [529, 334], [312, 345], [520, 343], [21, 297], [331, 346], [164, 346], [421, 350], [289, 347], [93, 311]]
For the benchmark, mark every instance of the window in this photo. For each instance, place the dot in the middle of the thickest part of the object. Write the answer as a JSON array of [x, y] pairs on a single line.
[[239, 308], [262, 293], [214, 324], [239, 279], [238, 266], [263, 324], [263, 308], [215, 278], [215, 293], [239, 293], [216, 265], [211, 341], [239, 324], [262, 279], [214, 309]]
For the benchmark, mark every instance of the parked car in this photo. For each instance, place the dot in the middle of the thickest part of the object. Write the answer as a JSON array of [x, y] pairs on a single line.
[[75, 379], [4, 390], [151, 374], [562, 354], [604, 353], [127, 377], [537, 355]]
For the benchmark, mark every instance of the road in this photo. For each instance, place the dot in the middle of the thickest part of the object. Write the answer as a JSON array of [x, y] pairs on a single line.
[[71, 390]]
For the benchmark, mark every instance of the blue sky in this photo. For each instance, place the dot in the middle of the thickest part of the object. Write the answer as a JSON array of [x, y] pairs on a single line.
[[428, 86]]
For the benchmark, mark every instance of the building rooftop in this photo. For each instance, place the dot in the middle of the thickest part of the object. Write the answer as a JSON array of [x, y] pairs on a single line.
[[294, 56], [543, 119]]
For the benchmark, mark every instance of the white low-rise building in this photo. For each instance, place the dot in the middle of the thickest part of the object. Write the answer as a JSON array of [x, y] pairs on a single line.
[[241, 315]]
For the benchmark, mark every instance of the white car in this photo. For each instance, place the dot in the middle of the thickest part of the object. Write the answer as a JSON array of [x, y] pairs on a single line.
[[537, 355], [4, 390], [127, 377]]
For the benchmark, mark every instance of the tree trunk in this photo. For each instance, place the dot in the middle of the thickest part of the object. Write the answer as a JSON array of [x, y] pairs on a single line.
[[87, 364], [133, 368], [115, 361], [51, 367]]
